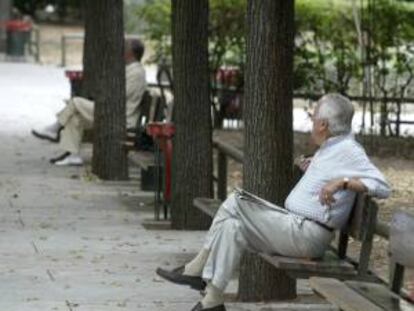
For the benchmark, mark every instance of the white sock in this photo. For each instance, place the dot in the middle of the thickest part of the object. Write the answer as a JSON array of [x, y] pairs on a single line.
[[214, 297], [195, 266]]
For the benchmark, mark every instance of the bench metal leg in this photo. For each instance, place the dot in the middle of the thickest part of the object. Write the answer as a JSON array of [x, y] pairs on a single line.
[[158, 178], [167, 152], [397, 278], [63, 51]]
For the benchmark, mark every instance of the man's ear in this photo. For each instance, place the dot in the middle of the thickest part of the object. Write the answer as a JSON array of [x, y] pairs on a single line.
[[324, 124]]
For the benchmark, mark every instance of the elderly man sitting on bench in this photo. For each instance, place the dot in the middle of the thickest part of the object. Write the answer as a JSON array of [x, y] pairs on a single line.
[[79, 112], [318, 205]]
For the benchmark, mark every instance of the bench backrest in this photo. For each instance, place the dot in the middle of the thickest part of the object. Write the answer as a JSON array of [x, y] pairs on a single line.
[[164, 81], [363, 217], [361, 227], [148, 112], [158, 112], [144, 109]]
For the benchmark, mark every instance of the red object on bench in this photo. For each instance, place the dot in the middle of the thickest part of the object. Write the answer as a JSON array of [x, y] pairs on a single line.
[[75, 78], [74, 74], [17, 25], [162, 133]]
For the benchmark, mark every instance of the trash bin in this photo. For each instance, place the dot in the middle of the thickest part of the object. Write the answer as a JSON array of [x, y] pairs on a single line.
[[18, 35]]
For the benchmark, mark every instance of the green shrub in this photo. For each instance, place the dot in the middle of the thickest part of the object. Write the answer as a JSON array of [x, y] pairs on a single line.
[[327, 55]]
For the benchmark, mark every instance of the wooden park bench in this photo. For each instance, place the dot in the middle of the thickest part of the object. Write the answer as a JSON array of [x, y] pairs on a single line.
[[140, 145], [153, 127], [365, 296], [161, 130], [335, 263]]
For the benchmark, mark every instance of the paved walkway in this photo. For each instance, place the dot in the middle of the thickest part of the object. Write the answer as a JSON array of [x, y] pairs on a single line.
[[68, 241]]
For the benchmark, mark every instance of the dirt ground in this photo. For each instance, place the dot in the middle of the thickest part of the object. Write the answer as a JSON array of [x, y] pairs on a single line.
[[399, 172]]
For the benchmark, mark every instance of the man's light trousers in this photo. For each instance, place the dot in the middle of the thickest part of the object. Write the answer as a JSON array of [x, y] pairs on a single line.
[[75, 117], [246, 222]]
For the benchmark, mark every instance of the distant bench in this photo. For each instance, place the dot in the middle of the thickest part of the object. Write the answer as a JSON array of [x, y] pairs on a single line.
[[150, 144], [140, 145], [361, 227]]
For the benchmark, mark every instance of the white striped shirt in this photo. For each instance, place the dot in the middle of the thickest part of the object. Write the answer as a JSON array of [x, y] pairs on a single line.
[[338, 157]]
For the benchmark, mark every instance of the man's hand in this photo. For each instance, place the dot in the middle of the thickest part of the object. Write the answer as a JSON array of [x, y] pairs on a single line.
[[303, 162], [327, 192], [326, 196]]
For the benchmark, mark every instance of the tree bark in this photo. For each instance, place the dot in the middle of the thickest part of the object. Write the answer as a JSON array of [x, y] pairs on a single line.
[[90, 65], [5, 8], [105, 69], [268, 131], [192, 157]]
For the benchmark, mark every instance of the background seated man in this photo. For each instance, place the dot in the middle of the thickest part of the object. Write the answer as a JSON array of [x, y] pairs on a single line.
[[79, 112], [318, 205]]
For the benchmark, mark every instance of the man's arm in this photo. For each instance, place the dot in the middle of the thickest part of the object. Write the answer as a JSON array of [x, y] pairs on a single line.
[[326, 196], [303, 162], [376, 188], [362, 175]]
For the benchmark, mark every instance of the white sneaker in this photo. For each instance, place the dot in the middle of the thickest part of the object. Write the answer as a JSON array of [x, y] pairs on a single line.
[[51, 132], [70, 160]]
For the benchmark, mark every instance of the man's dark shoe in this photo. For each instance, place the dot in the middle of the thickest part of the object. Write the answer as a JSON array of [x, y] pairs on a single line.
[[199, 307], [60, 157], [48, 134], [49, 137], [176, 276]]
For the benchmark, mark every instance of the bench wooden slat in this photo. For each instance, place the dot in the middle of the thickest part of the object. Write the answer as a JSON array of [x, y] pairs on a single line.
[[143, 159], [329, 264], [380, 295], [341, 295]]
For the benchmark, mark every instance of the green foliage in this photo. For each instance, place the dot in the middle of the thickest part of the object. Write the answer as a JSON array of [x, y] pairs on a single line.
[[157, 16], [393, 49], [226, 30], [132, 24], [326, 47], [327, 55], [29, 7], [392, 56]]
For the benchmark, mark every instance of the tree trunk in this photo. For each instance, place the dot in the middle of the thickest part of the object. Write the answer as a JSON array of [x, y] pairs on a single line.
[[268, 131], [192, 157], [90, 65], [105, 67], [5, 8]]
